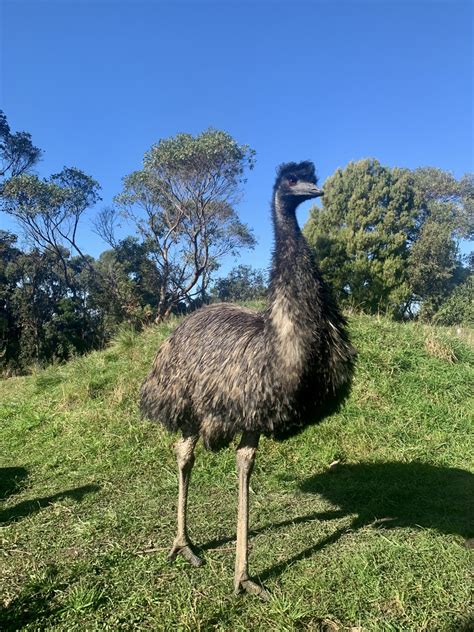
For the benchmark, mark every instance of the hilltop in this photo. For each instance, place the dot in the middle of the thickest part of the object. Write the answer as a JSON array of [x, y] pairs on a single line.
[[361, 521]]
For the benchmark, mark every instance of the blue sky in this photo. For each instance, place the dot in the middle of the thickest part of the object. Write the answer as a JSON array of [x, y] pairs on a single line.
[[97, 83]]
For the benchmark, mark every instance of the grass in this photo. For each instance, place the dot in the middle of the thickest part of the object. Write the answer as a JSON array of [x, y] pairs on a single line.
[[360, 523]]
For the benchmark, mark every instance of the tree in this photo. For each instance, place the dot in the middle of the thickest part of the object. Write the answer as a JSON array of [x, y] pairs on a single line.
[[9, 331], [182, 205], [435, 268], [387, 238], [445, 216], [44, 318], [458, 309], [243, 283], [17, 152], [136, 280], [360, 236], [49, 209]]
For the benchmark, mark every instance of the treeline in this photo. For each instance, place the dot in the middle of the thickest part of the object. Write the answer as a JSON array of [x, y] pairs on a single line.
[[51, 309], [57, 301], [386, 239]]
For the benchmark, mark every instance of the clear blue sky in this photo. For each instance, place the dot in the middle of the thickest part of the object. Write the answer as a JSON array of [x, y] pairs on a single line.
[[96, 83]]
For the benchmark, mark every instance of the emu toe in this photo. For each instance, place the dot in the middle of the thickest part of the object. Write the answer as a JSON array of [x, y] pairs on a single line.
[[187, 552], [254, 588]]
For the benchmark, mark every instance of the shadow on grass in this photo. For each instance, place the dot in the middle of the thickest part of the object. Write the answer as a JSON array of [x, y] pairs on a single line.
[[385, 496], [388, 496], [465, 626], [34, 602], [316, 515], [12, 481], [29, 507], [400, 495]]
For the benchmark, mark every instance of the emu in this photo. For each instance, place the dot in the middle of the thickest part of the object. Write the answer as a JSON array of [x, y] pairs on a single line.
[[227, 370]]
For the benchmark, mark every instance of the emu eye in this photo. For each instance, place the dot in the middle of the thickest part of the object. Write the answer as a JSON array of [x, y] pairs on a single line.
[[292, 180]]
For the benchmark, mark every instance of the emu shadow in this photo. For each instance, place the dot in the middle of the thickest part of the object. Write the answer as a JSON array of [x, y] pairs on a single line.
[[316, 515], [388, 496], [29, 507], [12, 481], [394, 494]]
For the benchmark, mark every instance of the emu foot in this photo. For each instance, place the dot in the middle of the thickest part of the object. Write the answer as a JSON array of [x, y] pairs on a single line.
[[254, 588], [186, 551]]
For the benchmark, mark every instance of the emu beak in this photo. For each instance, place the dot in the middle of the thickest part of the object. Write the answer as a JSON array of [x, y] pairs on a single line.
[[317, 192]]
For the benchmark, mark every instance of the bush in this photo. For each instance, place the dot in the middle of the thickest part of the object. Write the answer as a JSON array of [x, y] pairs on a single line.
[[458, 309]]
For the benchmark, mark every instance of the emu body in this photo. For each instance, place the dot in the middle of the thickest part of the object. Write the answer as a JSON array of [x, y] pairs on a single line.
[[227, 370]]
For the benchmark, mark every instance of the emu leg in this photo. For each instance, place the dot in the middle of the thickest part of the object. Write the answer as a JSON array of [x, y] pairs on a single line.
[[245, 462], [182, 544]]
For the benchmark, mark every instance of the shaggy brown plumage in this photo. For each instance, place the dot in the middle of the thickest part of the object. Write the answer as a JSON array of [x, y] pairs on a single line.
[[227, 370]]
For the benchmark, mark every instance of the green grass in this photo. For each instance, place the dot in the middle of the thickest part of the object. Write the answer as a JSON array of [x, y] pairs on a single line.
[[375, 542]]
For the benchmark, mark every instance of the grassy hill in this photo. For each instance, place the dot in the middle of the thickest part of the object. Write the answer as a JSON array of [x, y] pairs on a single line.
[[375, 542]]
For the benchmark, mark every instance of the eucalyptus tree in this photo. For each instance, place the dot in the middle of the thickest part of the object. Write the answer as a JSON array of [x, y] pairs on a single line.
[[182, 205], [49, 209], [17, 152]]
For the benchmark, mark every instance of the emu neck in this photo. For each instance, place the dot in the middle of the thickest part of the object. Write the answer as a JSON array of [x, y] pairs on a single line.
[[289, 242], [294, 293]]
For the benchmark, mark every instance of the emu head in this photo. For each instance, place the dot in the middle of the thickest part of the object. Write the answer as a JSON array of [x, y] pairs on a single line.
[[297, 182]]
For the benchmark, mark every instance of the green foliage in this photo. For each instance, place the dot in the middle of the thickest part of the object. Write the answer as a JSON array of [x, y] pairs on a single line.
[[447, 200], [360, 522], [458, 309], [360, 235], [210, 160], [52, 309], [434, 266], [386, 238], [135, 280], [445, 215], [49, 209], [17, 153], [182, 204], [243, 283], [44, 318], [9, 277]]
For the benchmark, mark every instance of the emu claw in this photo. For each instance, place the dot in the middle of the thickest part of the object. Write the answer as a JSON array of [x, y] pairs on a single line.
[[187, 552], [253, 588]]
